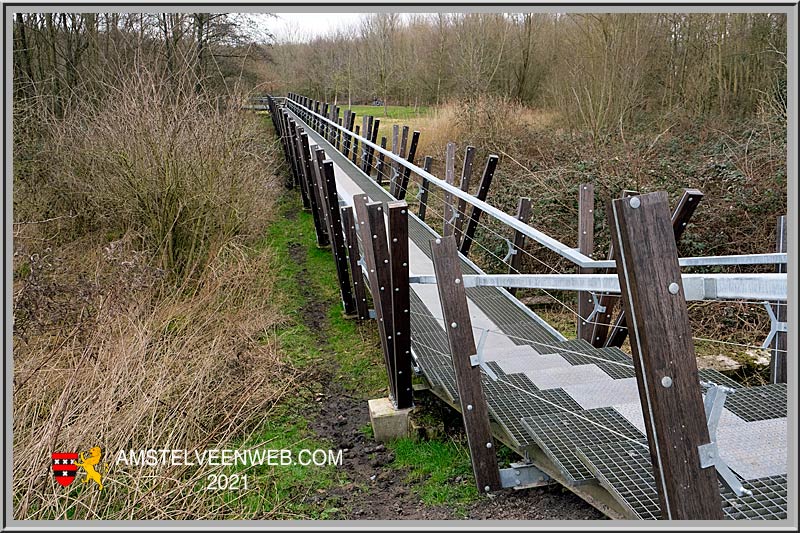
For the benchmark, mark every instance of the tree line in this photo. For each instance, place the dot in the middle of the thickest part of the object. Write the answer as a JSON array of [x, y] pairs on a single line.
[[597, 69]]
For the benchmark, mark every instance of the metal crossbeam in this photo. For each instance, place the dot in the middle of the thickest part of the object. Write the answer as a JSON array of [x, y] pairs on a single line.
[[542, 238], [757, 287]]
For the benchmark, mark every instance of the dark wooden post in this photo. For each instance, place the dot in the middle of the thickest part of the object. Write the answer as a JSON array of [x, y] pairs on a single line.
[[466, 174], [355, 145], [313, 192], [455, 311], [354, 255], [777, 365], [337, 238], [483, 192], [301, 169], [423, 191], [523, 214], [606, 301], [680, 219], [323, 123], [370, 150], [290, 136], [338, 136], [366, 130], [396, 151], [350, 118], [450, 177], [372, 228], [398, 249], [379, 167], [663, 356], [319, 186], [406, 175], [586, 247]]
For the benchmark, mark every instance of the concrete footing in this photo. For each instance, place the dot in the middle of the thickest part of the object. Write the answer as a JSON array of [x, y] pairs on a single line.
[[388, 423]]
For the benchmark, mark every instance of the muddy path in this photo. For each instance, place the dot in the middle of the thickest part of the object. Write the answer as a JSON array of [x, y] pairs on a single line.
[[375, 489]]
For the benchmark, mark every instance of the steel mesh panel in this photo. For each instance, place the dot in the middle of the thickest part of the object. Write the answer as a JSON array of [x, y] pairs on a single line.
[[560, 434], [758, 403]]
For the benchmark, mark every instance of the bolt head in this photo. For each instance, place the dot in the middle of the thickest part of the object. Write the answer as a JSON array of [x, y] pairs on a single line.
[[453, 325], [635, 202], [674, 288], [666, 382]]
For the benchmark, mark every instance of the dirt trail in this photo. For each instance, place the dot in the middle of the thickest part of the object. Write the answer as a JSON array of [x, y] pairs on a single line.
[[375, 489]]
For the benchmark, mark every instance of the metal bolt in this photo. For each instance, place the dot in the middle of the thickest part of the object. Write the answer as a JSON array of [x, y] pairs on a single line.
[[674, 288], [666, 382], [518, 482], [405, 264], [458, 281], [394, 240], [454, 325], [469, 407], [487, 488], [488, 444], [438, 241], [635, 202]]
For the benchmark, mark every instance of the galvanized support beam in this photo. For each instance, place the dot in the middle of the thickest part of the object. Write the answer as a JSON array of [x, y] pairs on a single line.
[[752, 287]]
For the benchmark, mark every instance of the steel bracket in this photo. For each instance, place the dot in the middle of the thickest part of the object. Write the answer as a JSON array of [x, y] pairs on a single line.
[[478, 360], [596, 310], [775, 326], [512, 251], [709, 453], [523, 476]]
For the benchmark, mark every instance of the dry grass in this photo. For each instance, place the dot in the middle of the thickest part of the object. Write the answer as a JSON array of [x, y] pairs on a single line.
[[143, 316]]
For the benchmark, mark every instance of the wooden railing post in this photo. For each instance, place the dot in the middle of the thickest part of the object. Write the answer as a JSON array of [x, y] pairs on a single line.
[[449, 210], [777, 365], [401, 307], [483, 192], [396, 151], [380, 165], [680, 219], [355, 145], [663, 356], [453, 299], [466, 174], [372, 228], [301, 169], [423, 190], [586, 247], [402, 189], [337, 237], [313, 192], [371, 151], [523, 214], [354, 256]]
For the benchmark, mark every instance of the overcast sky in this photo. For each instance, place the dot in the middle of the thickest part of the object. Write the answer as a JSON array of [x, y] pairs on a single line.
[[305, 26]]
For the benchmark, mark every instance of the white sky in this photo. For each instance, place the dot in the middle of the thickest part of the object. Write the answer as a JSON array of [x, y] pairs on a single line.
[[304, 26]]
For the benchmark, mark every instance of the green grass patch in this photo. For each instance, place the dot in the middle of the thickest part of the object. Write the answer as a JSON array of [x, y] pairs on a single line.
[[434, 466], [395, 112]]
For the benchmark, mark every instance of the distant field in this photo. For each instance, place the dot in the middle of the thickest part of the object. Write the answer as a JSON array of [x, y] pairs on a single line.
[[396, 112]]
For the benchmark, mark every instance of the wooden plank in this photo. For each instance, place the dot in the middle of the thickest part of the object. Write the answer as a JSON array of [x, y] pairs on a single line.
[[393, 165], [354, 256], [401, 306], [449, 209], [379, 168], [317, 158], [338, 246], [290, 136], [365, 124], [350, 118], [325, 112], [483, 192], [370, 150], [313, 192], [355, 145], [402, 189], [663, 356], [777, 365], [523, 214], [301, 170], [339, 136], [466, 175], [423, 191], [372, 228], [586, 247], [683, 212], [606, 301], [453, 299]]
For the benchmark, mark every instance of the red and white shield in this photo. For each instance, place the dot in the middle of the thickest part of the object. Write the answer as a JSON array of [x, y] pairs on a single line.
[[64, 467]]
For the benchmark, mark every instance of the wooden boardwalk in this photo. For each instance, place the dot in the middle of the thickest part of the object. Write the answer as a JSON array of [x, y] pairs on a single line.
[[570, 408]]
